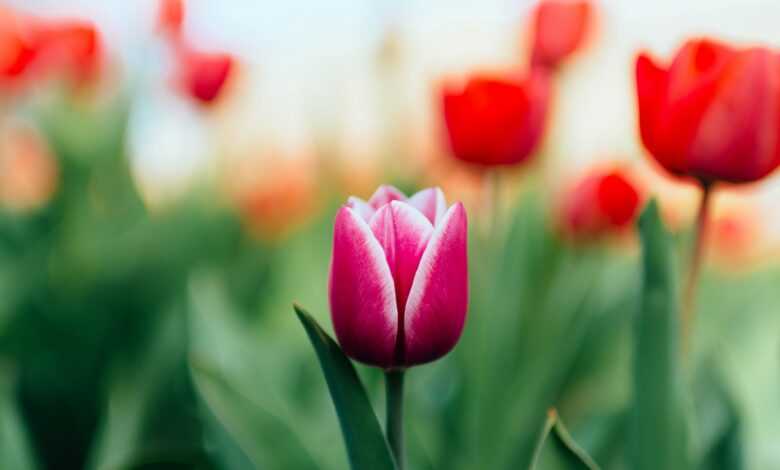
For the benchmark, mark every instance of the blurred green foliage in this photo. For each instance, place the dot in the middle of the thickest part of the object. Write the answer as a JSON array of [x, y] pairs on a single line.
[[131, 339]]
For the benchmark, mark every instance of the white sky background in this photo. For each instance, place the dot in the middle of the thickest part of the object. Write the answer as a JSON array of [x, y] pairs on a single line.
[[310, 66]]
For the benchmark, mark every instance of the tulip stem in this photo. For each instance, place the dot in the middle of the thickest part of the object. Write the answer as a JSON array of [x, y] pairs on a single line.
[[494, 183], [694, 267], [394, 391]]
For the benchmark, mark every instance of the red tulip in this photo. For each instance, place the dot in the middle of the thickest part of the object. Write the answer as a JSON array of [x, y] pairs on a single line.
[[399, 277], [601, 203], [203, 75], [200, 75], [559, 29], [69, 47], [16, 52], [496, 121], [713, 113], [170, 17]]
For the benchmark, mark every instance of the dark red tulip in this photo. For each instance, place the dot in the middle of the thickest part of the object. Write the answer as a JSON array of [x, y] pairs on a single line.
[[713, 113], [200, 75], [559, 28], [600, 203], [496, 121], [204, 75]]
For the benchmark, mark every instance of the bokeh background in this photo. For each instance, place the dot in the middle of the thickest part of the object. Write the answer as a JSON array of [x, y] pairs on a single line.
[[151, 244]]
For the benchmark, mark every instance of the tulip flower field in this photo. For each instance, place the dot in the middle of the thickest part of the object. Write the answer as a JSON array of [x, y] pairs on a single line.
[[452, 302]]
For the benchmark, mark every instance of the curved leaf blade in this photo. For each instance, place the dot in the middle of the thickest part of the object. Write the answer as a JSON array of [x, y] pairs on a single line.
[[366, 445]]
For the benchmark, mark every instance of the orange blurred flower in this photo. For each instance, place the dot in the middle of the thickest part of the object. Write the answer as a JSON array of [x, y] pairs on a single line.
[[28, 170], [559, 29], [272, 196], [736, 235]]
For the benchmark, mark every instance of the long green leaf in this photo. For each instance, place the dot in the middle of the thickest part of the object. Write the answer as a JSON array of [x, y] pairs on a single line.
[[575, 456], [366, 445], [659, 435], [567, 452]]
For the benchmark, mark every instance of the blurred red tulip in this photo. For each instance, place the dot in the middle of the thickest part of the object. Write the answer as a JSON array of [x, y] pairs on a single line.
[[200, 75], [496, 121], [204, 75], [559, 29], [170, 17], [34, 48], [16, 52], [69, 47], [714, 113], [602, 202]]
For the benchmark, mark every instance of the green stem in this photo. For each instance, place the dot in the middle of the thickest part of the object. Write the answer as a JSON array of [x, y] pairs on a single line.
[[494, 183], [394, 393], [688, 312]]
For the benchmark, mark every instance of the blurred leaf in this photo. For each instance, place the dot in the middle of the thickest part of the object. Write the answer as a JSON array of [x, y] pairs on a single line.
[[566, 451], [366, 445], [15, 450], [574, 454], [659, 428], [719, 424], [247, 424], [129, 396]]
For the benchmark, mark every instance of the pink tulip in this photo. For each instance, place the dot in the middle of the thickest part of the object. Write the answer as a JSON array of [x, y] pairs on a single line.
[[399, 277]]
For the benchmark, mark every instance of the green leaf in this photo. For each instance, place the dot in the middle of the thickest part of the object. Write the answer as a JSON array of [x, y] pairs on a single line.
[[566, 451], [719, 423], [659, 433], [247, 423], [575, 456], [366, 445], [15, 449]]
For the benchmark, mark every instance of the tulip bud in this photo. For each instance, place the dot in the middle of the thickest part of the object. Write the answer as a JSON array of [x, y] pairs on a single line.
[[713, 113], [496, 121], [559, 28], [399, 277], [602, 202]]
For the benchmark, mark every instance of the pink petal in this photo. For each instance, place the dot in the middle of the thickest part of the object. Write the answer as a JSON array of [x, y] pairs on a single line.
[[431, 203], [438, 300], [403, 232], [362, 295], [384, 195], [360, 206]]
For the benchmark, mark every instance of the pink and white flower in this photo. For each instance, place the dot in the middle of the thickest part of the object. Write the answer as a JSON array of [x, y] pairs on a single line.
[[399, 277]]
